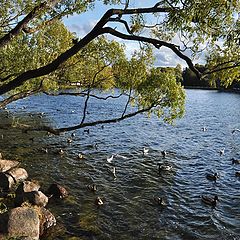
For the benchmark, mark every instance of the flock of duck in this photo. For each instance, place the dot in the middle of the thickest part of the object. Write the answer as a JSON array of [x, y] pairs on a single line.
[[162, 167], [212, 201], [208, 200]]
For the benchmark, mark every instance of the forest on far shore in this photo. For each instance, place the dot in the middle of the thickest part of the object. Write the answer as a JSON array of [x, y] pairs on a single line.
[[189, 79]]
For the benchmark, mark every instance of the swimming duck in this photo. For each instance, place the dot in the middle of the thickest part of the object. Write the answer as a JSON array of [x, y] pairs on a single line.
[[145, 151], [45, 150], [109, 160], [222, 151], [235, 130], [98, 201], [114, 172], [212, 201], [212, 177], [237, 174], [235, 161], [164, 167], [61, 152], [86, 130], [69, 140], [80, 156], [159, 201], [92, 188], [164, 153]]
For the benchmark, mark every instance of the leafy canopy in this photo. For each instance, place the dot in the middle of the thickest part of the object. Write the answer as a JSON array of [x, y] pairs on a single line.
[[39, 54]]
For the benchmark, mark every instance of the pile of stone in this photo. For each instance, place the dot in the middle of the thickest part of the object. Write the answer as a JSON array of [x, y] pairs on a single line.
[[26, 217]]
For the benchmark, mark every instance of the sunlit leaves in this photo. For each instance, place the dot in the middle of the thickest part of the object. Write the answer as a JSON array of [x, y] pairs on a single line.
[[161, 88]]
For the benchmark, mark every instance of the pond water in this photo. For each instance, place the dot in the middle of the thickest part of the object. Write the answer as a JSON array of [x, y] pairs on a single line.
[[129, 211]]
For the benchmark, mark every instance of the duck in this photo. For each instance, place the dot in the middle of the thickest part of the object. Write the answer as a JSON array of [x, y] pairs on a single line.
[[61, 152], [235, 130], [92, 188], [212, 177], [222, 151], [159, 201], [109, 160], [98, 201], [45, 150], [204, 129], [237, 174], [80, 156], [235, 161], [212, 201], [164, 167], [164, 153], [145, 151], [86, 131], [114, 172], [69, 140]]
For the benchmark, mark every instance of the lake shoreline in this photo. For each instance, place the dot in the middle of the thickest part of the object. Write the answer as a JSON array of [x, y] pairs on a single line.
[[235, 90]]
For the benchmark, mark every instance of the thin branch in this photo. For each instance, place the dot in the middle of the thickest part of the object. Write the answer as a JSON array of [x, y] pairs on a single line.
[[35, 12], [40, 26], [20, 95], [88, 93], [126, 4], [128, 101], [113, 120], [157, 44], [121, 21], [83, 94], [221, 69]]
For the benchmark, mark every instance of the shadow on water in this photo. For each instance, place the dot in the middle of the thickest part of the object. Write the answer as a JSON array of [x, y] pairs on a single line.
[[129, 210]]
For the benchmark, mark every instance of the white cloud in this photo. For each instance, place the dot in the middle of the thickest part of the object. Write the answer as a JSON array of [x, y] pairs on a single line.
[[167, 58], [82, 24]]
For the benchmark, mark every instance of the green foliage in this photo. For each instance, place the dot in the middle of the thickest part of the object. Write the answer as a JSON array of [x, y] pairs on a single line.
[[162, 89], [30, 52], [226, 60], [102, 64]]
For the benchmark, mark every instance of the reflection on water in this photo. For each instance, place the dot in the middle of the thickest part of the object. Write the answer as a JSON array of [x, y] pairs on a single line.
[[129, 211]]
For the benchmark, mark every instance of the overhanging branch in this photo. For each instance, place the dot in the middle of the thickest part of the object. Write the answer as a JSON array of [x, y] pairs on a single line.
[[83, 125], [19, 27], [156, 43]]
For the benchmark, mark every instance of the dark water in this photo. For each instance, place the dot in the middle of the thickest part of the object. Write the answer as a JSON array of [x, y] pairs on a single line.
[[129, 211]]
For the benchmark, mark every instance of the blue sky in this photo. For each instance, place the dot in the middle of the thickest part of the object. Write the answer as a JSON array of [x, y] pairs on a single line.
[[82, 24]]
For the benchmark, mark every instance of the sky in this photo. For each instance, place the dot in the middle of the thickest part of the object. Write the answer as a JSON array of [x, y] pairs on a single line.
[[82, 24]]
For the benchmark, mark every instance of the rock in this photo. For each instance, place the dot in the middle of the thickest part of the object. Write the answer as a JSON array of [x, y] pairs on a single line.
[[47, 220], [6, 165], [35, 198], [23, 222], [57, 191], [26, 222], [27, 186], [11, 177]]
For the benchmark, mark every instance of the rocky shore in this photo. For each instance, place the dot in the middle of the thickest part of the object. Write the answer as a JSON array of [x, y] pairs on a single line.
[[23, 212]]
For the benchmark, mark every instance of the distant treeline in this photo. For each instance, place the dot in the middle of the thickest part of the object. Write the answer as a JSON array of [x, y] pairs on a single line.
[[188, 78]]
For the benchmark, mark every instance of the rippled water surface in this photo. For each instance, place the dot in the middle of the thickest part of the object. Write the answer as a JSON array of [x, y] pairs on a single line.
[[129, 211]]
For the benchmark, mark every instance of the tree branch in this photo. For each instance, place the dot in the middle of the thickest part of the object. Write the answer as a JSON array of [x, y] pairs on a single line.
[[96, 31], [113, 120], [19, 27], [128, 101], [157, 44], [20, 95], [222, 68]]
